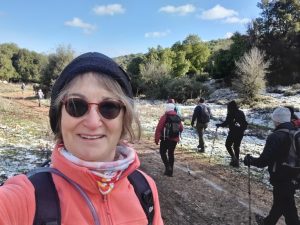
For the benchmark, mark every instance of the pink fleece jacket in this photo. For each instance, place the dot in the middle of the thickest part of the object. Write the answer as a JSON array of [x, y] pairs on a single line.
[[119, 207]]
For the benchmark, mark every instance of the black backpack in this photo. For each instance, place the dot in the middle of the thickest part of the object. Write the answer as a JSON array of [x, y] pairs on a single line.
[[291, 163], [204, 116], [47, 200], [172, 127]]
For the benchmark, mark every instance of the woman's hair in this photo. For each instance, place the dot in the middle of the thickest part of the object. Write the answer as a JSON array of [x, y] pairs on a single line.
[[131, 125]]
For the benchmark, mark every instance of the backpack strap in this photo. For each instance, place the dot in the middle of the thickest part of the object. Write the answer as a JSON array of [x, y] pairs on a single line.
[[144, 193], [46, 198], [45, 207]]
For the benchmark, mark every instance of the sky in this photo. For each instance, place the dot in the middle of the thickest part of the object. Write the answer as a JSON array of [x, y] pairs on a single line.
[[117, 28]]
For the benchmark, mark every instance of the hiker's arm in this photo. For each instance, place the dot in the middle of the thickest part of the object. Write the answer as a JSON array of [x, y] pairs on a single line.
[[269, 153], [17, 202], [159, 128], [194, 116]]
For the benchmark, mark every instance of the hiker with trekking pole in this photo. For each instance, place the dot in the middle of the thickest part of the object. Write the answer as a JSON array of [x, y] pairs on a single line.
[[93, 176], [281, 155], [237, 124]]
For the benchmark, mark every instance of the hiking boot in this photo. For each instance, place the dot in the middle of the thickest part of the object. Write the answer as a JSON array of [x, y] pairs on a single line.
[[170, 172], [234, 163], [259, 219], [201, 150]]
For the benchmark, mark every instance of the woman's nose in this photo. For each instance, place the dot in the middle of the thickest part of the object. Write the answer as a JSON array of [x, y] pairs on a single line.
[[93, 119]]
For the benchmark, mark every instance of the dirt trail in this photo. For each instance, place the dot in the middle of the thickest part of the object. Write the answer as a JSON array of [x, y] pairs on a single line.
[[203, 193]]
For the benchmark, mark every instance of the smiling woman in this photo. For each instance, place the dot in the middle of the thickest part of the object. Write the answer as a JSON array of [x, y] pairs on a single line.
[[92, 116]]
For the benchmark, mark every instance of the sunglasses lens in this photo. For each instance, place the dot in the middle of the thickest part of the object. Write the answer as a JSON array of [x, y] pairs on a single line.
[[109, 109], [76, 107]]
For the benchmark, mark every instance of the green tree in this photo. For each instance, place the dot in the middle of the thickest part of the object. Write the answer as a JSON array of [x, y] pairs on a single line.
[[251, 69], [277, 32], [56, 63], [7, 71]]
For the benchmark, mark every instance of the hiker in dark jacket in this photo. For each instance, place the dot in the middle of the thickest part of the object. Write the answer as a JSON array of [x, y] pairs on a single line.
[[167, 144], [276, 149], [202, 115], [236, 121]]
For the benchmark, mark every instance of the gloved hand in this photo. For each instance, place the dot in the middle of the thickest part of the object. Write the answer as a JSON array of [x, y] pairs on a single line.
[[248, 160], [156, 142], [218, 125]]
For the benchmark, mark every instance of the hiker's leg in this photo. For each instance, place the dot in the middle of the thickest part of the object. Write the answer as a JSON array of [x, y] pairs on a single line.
[[200, 130], [277, 208], [228, 144], [163, 153], [237, 143], [289, 207], [171, 150]]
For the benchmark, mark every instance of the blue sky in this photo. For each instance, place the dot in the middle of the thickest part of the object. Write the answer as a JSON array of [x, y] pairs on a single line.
[[119, 27]]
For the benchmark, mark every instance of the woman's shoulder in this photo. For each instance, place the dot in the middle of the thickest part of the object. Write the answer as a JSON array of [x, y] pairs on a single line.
[[17, 200]]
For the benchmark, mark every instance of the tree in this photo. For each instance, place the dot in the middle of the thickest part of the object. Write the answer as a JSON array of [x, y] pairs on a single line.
[[251, 69], [7, 71], [57, 62], [277, 32]]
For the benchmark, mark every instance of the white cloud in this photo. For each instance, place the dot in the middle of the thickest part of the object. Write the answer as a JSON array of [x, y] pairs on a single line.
[[235, 19], [109, 9], [77, 22], [157, 34], [228, 35], [181, 10], [218, 12]]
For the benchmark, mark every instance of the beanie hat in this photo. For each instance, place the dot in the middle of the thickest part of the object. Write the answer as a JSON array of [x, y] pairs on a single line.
[[170, 107], [281, 115], [87, 62], [171, 100]]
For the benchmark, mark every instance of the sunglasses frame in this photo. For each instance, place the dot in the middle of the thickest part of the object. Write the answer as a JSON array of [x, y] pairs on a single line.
[[119, 105]]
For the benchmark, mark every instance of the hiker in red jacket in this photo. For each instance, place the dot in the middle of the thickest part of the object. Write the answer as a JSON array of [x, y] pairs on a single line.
[[92, 115], [168, 132]]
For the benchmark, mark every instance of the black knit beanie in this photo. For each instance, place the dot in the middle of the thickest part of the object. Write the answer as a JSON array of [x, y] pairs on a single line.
[[88, 62]]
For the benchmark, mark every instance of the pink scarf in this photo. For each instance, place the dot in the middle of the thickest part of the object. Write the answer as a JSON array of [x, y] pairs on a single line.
[[105, 173]]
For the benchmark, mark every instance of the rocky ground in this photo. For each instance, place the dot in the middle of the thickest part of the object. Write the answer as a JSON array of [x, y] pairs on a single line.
[[204, 189]]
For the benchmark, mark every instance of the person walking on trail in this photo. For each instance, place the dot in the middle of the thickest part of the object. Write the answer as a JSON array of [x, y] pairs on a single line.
[[202, 115], [23, 87], [168, 132], [275, 150], [93, 118], [236, 121], [40, 96]]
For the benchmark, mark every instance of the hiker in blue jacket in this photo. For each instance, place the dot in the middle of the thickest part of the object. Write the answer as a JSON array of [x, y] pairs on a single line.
[[202, 115], [236, 121], [276, 149]]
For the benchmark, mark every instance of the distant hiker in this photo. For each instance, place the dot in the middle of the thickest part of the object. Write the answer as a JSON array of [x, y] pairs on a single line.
[[274, 153], [236, 121], [22, 88], [294, 118], [202, 115], [40, 96], [93, 118], [168, 132]]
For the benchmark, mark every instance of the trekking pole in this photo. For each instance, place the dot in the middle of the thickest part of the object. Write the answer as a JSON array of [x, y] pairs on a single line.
[[249, 192], [213, 144]]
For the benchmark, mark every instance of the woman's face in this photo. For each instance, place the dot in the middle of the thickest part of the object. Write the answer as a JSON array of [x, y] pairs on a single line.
[[91, 137]]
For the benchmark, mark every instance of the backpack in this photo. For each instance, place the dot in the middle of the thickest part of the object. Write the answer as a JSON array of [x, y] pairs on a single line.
[[172, 127], [291, 164], [47, 200], [204, 116]]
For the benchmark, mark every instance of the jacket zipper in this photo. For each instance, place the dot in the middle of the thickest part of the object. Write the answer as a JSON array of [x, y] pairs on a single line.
[[107, 211]]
